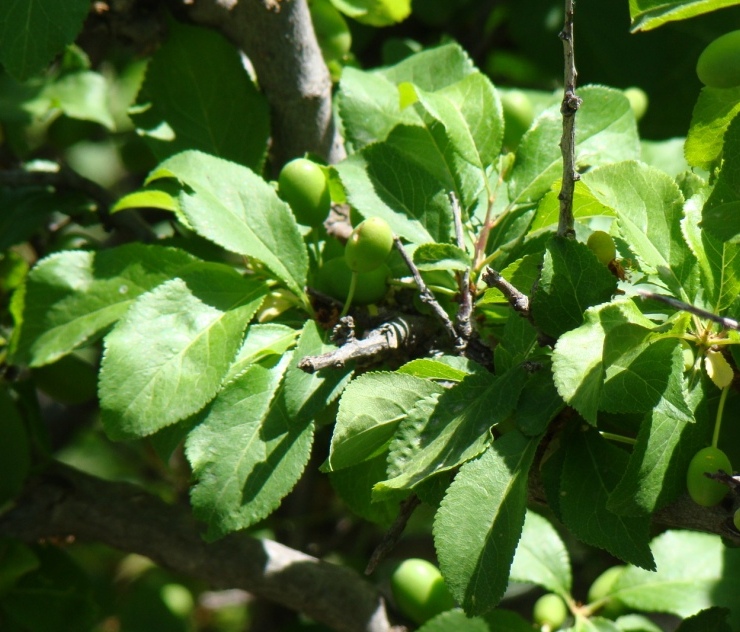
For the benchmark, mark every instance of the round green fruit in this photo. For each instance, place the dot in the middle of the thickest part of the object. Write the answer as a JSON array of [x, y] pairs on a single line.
[[334, 279], [688, 356], [302, 184], [719, 63], [550, 610], [703, 490], [518, 116], [420, 591], [331, 30], [638, 101], [602, 245], [369, 245]]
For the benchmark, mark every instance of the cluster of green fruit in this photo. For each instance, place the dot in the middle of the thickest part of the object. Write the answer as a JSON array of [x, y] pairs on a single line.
[[361, 275]]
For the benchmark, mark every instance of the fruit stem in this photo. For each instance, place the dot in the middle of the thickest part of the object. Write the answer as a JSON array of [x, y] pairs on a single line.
[[350, 295], [620, 438], [720, 411]]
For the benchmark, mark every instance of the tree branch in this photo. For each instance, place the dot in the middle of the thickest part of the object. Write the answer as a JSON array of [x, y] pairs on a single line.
[[65, 502], [278, 38], [569, 107]]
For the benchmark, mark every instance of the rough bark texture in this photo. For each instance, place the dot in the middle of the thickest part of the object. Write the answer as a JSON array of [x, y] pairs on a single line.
[[64, 502], [278, 38]]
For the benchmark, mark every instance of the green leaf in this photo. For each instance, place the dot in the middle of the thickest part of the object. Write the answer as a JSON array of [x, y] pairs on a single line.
[[455, 620], [354, 485], [650, 14], [593, 624], [167, 357], [16, 560], [455, 430], [719, 263], [572, 280], [370, 107], [721, 213], [370, 410], [146, 198], [605, 132], [25, 211], [247, 452], [56, 597], [591, 470], [84, 96], [15, 449], [182, 94], [714, 619], [375, 12], [578, 365], [475, 553], [446, 368], [72, 297], [32, 32], [649, 208], [384, 180], [695, 571], [541, 557], [441, 257], [539, 403], [636, 623], [235, 208], [656, 470], [584, 205], [433, 68], [714, 110]]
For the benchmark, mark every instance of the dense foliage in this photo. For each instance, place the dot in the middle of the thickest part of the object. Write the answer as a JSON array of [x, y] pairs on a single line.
[[174, 301]]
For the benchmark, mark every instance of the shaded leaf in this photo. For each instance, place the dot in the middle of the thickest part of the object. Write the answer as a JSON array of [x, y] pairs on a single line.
[[475, 554]]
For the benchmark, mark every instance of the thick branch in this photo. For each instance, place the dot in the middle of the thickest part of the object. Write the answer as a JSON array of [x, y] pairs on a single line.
[[278, 38], [64, 502]]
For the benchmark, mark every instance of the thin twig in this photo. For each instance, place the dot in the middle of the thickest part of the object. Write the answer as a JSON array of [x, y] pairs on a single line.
[[393, 535], [518, 300], [727, 323], [400, 333], [426, 295], [462, 324], [569, 107]]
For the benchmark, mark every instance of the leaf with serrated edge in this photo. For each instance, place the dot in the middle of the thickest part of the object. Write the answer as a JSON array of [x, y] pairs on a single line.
[[714, 619], [541, 557], [454, 620], [370, 410], [167, 357], [475, 554], [606, 132], [247, 453], [572, 280], [656, 469], [577, 359], [649, 209], [650, 14], [713, 111], [71, 297], [235, 208], [694, 571], [720, 213], [591, 470], [458, 428]]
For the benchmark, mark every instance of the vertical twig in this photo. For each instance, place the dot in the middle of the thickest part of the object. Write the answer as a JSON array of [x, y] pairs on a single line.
[[462, 324], [569, 107]]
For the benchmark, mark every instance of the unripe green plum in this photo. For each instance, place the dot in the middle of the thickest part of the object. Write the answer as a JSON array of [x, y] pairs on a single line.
[[369, 245], [703, 490], [518, 116], [550, 610], [302, 184], [335, 277], [688, 356], [602, 245], [719, 63], [420, 591], [638, 101], [331, 30]]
